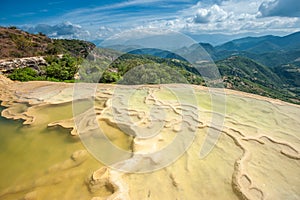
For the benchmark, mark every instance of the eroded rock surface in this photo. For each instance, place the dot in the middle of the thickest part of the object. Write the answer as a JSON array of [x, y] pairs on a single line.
[[257, 155], [9, 65]]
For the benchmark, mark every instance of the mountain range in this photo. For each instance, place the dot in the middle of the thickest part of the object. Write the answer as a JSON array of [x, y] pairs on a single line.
[[263, 44], [281, 55], [267, 65]]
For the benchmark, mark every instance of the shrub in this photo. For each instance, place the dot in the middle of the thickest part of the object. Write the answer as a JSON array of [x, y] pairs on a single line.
[[61, 69], [24, 74]]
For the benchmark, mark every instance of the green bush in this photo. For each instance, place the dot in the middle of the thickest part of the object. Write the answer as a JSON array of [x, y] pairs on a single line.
[[23, 74], [61, 69], [110, 77]]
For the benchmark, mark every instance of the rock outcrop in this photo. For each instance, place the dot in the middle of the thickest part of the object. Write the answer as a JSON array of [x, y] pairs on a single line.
[[9, 65]]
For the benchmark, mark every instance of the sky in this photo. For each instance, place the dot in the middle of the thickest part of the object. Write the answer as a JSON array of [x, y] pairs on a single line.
[[209, 20]]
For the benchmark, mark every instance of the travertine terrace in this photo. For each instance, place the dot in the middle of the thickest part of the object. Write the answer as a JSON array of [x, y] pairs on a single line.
[[257, 155]]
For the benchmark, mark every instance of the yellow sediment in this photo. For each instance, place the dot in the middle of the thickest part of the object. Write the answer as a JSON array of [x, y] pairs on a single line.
[[256, 157]]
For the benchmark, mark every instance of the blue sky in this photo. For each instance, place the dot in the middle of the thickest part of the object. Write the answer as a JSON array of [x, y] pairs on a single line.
[[98, 19]]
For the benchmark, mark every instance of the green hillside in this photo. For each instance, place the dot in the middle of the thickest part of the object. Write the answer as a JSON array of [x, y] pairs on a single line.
[[238, 73], [109, 66], [16, 43], [243, 74], [137, 69]]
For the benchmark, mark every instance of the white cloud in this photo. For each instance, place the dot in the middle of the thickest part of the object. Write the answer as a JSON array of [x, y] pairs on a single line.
[[283, 8], [104, 32], [270, 25], [233, 17], [212, 14], [206, 16], [202, 16], [62, 30], [124, 4]]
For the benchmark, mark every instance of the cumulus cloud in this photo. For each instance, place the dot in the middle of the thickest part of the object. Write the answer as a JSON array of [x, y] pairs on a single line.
[[282, 8], [205, 16], [229, 17], [233, 17], [202, 16], [67, 28], [212, 14], [62, 30]]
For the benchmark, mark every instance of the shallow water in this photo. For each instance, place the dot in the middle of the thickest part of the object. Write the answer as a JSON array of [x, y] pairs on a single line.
[[34, 158]]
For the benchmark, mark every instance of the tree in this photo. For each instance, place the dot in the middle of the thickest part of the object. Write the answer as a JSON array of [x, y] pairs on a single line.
[[62, 69]]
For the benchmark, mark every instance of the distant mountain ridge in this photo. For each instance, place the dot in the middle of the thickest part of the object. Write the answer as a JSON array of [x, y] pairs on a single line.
[[268, 50], [263, 44], [274, 61]]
